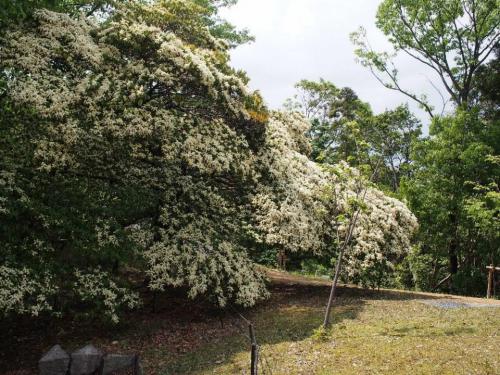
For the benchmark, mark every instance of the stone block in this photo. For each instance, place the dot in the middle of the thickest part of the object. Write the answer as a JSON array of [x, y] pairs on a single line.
[[116, 362], [86, 361], [54, 362]]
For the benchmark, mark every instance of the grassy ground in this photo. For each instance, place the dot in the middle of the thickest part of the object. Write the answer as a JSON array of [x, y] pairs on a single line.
[[385, 332]]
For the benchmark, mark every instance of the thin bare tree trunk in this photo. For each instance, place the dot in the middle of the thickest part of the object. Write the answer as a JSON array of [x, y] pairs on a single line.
[[352, 225], [345, 245], [326, 322]]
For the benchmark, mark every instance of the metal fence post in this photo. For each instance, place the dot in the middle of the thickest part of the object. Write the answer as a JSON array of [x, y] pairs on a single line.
[[254, 357]]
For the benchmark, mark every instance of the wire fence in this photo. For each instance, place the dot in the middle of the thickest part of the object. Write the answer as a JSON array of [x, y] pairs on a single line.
[[259, 361]]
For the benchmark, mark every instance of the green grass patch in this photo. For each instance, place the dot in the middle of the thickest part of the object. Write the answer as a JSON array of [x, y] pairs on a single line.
[[372, 333]]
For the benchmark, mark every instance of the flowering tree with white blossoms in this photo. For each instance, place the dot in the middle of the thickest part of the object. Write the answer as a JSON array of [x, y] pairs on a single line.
[[132, 144], [305, 206], [129, 142], [288, 211]]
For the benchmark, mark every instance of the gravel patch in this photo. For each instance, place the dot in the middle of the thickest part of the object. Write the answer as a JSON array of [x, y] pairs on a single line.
[[452, 304]]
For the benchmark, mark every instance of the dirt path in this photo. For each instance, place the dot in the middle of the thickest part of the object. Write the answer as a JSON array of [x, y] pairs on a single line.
[[284, 278]]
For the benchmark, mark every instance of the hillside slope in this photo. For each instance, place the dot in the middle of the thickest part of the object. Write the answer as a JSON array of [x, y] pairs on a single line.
[[374, 332]]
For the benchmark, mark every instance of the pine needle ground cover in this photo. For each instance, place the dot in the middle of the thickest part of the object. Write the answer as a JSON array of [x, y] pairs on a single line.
[[373, 332]]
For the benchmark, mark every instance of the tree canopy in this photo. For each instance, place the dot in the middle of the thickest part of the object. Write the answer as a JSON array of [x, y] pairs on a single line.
[[453, 192], [344, 128], [129, 145], [451, 37]]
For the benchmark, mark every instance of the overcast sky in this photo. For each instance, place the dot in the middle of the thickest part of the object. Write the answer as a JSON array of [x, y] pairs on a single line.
[[298, 39]]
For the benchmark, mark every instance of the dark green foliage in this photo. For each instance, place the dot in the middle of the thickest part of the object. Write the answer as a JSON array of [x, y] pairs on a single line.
[[344, 128], [78, 212], [392, 137], [313, 267], [448, 167]]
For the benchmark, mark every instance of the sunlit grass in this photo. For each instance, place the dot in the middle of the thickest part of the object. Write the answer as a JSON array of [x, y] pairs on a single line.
[[378, 333]]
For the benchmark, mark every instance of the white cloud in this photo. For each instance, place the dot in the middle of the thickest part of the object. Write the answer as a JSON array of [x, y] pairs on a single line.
[[298, 39]]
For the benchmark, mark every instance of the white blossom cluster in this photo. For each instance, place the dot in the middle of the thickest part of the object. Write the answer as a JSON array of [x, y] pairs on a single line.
[[383, 231], [206, 268], [288, 210], [306, 207], [381, 237], [141, 108], [25, 292], [156, 144], [97, 287]]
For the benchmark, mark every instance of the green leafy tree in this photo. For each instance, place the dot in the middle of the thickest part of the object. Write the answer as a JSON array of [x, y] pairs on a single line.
[[339, 121], [124, 143], [220, 28], [393, 134], [452, 175], [344, 128], [483, 209], [457, 222], [451, 37]]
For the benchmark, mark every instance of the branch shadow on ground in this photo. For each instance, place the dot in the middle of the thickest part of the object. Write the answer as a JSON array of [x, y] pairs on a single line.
[[292, 314], [184, 336]]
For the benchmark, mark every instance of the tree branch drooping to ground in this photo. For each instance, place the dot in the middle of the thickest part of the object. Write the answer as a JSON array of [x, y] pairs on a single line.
[[130, 145], [311, 207]]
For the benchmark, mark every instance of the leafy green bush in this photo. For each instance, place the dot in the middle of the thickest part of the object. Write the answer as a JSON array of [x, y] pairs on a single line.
[[313, 267]]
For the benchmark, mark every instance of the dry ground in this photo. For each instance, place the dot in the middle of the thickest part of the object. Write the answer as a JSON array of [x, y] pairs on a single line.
[[374, 332]]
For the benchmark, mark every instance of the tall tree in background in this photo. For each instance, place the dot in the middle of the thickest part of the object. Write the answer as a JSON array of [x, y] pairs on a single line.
[[393, 136], [452, 191], [452, 37], [455, 172], [344, 128], [338, 119]]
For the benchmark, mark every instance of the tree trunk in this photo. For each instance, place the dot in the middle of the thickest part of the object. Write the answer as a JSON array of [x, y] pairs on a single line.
[[452, 253], [453, 261], [453, 250], [326, 322]]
